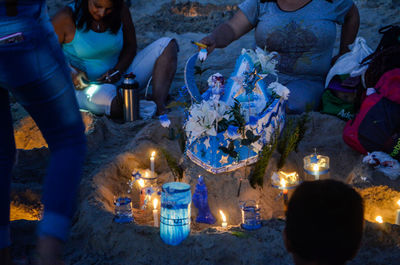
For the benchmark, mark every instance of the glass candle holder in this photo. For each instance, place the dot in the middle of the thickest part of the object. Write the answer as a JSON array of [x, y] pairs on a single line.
[[250, 215], [123, 210], [146, 183], [316, 166], [175, 212]]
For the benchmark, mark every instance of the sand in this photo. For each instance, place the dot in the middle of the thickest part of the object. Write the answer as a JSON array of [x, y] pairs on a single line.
[[116, 149]]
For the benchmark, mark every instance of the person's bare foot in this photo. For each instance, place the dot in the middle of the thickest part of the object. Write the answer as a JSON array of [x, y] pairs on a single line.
[[5, 256], [49, 251]]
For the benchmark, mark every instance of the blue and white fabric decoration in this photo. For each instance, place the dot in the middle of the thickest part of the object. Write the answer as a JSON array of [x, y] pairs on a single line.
[[214, 139]]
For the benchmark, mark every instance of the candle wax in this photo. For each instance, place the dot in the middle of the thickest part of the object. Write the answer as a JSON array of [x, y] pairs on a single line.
[[155, 218]]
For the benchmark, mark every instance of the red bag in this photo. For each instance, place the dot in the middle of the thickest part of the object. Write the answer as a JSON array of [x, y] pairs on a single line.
[[377, 125]]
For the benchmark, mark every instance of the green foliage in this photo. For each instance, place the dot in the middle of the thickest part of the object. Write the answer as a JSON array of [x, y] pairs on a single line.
[[302, 124], [257, 175], [173, 165], [199, 71], [181, 139], [292, 135], [250, 138], [175, 104], [239, 234], [238, 119], [230, 150], [223, 125]]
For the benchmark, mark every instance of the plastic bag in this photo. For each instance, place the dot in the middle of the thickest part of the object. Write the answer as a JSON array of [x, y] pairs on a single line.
[[350, 63]]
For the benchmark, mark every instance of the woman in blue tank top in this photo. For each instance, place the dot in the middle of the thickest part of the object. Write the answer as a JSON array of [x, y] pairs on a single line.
[[98, 38]]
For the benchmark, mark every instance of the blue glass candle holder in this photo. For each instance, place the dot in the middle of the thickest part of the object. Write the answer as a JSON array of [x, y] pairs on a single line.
[[200, 200], [175, 212], [123, 210], [250, 215]]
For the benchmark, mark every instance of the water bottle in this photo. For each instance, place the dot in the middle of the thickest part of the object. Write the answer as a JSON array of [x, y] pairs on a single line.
[[130, 94]]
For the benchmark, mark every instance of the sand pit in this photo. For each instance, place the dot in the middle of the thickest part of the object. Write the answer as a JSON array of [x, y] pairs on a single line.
[[96, 239]]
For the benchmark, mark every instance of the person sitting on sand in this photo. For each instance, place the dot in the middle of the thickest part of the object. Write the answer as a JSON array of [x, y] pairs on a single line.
[[324, 223], [303, 32], [99, 40]]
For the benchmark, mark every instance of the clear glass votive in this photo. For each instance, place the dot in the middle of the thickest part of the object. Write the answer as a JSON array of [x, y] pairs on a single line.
[[123, 210], [250, 215]]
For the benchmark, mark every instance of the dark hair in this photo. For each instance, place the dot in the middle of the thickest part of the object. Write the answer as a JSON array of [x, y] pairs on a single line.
[[324, 221], [83, 19]]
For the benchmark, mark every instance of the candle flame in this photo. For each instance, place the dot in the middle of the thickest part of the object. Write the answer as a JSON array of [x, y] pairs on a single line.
[[398, 202], [153, 154], [283, 182], [379, 219], [155, 203], [315, 167], [223, 216], [141, 182]]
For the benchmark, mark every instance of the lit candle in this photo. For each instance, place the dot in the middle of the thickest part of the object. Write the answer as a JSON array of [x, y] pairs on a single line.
[[398, 214], [285, 193], [316, 171], [316, 166], [142, 191], [152, 158], [379, 219], [155, 212], [224, 223]]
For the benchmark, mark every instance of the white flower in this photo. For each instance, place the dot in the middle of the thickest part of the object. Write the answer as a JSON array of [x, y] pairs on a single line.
[[165, 122], [267, 60], [202, 55], [204, 118], [280, 90]]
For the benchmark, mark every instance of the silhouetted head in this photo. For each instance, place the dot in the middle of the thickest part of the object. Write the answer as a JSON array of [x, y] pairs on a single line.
[[324, 222]]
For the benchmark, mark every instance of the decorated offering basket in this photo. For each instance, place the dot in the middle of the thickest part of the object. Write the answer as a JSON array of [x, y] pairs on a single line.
[[229, 124]]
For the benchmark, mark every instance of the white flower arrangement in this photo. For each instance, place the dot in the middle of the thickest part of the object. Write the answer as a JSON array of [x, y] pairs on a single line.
[[267, 61], [280, 90], [204, 117]]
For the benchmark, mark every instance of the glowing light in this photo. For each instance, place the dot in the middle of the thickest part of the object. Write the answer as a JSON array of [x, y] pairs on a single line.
[[153, 154], [283, 183], [155, 203], [141, 182], [224, 223], [398, 202], [379, 219], [223, 216], [315, 167], [91, 90]]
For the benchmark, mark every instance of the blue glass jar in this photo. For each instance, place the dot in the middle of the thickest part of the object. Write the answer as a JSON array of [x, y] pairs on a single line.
[[123, 210], [250, 215], [175, 212]]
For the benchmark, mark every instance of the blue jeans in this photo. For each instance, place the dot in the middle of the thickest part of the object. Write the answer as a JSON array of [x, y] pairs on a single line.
[[304, 94], [35, 72]]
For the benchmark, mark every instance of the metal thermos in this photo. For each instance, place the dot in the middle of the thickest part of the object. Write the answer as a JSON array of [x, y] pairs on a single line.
[[130, 94]]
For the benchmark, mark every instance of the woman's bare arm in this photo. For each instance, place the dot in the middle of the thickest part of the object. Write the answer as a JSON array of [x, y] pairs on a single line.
[[227, 32], [64, 26], [349, 31], [129, 48]]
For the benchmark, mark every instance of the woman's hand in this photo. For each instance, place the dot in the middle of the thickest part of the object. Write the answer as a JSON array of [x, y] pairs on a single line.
[[210, 42], [80, 80], [111, 76]]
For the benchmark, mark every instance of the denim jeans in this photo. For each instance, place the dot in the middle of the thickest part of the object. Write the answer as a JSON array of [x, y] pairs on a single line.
[[35, 73]]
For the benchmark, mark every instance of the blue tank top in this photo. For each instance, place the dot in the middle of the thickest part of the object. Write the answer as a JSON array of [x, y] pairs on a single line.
[[92, 52]]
